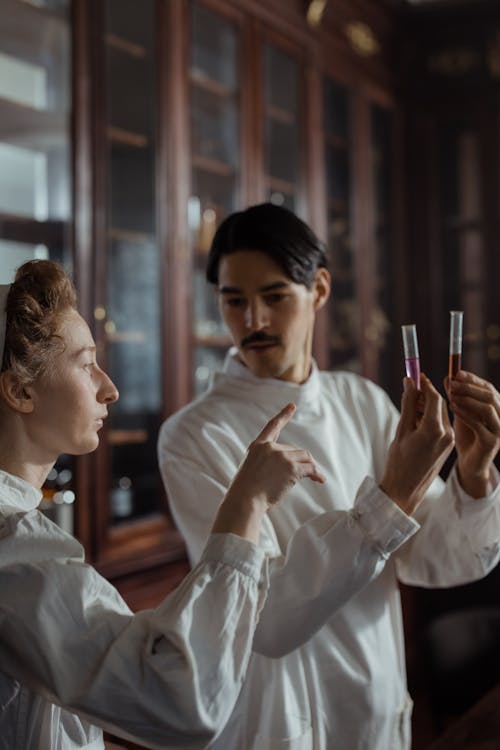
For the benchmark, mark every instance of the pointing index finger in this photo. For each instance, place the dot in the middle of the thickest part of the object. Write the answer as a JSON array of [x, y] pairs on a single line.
[[271, 432]]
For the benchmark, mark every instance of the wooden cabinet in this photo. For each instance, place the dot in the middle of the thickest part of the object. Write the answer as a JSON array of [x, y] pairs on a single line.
[[364, 334], [35, 164], [246, 144], [129, 130], [215, 78], [182, 112], [124, 521], [35, 134], [452, 115]]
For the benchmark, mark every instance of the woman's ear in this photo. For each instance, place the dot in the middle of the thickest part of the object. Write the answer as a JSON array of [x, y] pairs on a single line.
[[16, 395], [322, 285]]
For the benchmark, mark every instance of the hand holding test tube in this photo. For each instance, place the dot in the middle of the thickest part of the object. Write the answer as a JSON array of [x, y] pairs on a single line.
[[412, 359], [455, 359]]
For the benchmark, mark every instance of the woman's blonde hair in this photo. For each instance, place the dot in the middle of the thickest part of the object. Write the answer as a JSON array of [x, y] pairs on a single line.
[[40, 294]]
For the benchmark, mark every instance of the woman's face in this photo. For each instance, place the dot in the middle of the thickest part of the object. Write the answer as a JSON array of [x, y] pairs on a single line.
[[70, 400]]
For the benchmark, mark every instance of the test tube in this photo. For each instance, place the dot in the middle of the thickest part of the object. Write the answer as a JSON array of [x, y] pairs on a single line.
[[455, 359], [412, 360]]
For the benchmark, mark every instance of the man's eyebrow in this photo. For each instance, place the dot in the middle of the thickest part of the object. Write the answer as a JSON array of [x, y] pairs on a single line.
[[265, 288]]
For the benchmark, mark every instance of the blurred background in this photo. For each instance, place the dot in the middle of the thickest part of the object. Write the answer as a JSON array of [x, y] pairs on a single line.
[[130, 128]]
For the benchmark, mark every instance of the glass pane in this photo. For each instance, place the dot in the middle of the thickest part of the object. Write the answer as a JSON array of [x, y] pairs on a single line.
[[336, 110], [281, 78], [337, 172], [208, 360], [133, 325], [131, 22], [131, 177], [281, 126], [35, 102], [215, 144], [14, 254], [281, 142], [215, 127], [23, 182], [35, 159], [23, 82], [344, 306], [61, 6], [214, 48], [381, 330], [132, 314], [464, 260]]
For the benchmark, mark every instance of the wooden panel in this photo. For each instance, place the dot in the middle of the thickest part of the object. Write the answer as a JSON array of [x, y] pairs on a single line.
[[478, 729]]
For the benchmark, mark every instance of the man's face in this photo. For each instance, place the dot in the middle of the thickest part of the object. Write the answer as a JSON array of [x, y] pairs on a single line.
[[269, 316]]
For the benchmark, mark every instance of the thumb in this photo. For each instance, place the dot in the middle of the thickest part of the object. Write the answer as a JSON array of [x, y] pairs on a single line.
[[271, 432]]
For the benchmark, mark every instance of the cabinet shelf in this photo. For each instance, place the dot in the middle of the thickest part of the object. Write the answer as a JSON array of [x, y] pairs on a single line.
[[200, 80], [126, 337], [336, 141], [29, 32], [338, 205], [278, 114], [463, 224], [121, 44], [213, 166], [127, 235], [280, 185], [34, 129], [127, 437], [127, 137], [220, 341], [26, 229]]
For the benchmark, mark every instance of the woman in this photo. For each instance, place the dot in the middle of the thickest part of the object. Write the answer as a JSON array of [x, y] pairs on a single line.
[[73, 658]]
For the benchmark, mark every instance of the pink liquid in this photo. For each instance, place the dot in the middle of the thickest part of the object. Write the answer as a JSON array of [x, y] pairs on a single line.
[[413, 370]]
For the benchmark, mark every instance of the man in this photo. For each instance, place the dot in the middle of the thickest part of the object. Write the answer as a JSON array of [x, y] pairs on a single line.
[[328, 668]]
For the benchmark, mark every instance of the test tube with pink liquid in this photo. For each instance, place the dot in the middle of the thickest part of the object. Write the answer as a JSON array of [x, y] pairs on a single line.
[[412, 359]]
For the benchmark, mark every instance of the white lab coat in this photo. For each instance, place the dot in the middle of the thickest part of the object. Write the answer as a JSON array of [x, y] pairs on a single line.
[[74, 659], [328, 672]]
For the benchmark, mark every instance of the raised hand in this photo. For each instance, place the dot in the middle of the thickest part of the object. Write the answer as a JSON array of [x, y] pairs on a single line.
[[269, 470], [420, 447], [476, 408]]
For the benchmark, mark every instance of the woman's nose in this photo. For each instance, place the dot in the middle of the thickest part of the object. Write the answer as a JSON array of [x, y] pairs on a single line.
[[108, 392]]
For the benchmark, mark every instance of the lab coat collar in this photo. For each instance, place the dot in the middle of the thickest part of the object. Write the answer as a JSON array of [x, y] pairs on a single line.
[[17, 492], [281, 391]]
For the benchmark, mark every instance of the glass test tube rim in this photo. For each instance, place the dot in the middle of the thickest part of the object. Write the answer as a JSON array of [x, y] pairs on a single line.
[[410, 341], [456, 330]]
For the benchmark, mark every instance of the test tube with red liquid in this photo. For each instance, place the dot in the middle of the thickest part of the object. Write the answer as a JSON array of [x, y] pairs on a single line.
[[455, 359], [412, 359]]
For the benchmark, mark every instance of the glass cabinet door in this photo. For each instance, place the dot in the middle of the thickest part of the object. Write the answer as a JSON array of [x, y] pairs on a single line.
[[464, 283], [129, 317], [281, 87], [215, 170], [35, 165], [35, 153], [380, 330], [344, 308]]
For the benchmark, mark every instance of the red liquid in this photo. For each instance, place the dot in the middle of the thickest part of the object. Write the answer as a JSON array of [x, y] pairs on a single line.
[[455, 363], [413, 370]]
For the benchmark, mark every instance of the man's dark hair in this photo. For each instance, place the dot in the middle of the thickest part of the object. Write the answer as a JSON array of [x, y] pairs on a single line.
[[275, 231]]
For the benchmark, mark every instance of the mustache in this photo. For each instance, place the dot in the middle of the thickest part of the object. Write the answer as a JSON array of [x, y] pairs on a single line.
[[258, 337]]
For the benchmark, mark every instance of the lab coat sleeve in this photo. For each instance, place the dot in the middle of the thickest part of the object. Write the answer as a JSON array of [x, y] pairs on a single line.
[[196, 473], [167, 677], [459, 538], [327, 561]]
